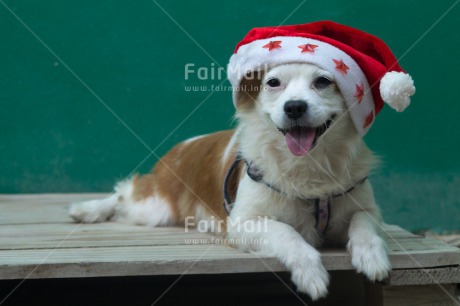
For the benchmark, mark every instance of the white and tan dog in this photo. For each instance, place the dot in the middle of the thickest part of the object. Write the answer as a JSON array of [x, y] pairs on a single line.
[[294, 99], [295, 169]]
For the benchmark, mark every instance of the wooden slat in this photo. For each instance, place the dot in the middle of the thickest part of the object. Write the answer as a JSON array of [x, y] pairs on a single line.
[[128, 261], [381, 295], [157, 260], [37, 235], [394, 231], [39, 208], [71, 235], [65, 235], [425, 276]]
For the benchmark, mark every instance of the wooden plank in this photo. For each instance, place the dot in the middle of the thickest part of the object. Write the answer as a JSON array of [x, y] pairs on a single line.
[[36, 233], [430, 276], [417, 243], [128, 261], [381, 295], [39, 208], [147, 260], [425, 252], [29, 236], [50, 197], [451, 239], [152, 255], [71, 235], [162, 259], [394, 231]]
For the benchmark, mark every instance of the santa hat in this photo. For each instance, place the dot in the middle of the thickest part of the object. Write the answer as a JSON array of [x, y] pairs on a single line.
[[364, 68]]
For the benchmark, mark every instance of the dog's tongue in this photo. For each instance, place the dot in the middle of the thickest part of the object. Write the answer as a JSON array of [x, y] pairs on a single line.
[[300, 140]]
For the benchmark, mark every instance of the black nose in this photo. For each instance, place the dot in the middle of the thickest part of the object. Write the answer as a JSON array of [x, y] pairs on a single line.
[[295, 109]]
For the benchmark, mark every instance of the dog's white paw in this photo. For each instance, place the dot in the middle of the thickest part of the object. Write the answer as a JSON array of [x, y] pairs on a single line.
[[311, 278], [369, 256], [87, 212]]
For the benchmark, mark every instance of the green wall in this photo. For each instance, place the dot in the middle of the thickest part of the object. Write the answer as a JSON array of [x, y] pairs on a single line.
[[89, 88]]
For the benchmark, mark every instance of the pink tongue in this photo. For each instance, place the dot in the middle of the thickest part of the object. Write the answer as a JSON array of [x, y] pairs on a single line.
[[300, 140]]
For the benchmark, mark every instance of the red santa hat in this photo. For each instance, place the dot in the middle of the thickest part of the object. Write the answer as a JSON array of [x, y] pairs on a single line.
[[364, 68]]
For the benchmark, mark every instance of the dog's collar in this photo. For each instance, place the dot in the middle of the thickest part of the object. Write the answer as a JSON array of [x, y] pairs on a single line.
[[228, 203], [322, 204]]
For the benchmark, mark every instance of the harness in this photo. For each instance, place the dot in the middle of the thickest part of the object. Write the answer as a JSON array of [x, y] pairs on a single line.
[[322, 205]]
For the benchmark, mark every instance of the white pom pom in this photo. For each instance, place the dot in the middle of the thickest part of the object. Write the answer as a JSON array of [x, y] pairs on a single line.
[[396, 88]]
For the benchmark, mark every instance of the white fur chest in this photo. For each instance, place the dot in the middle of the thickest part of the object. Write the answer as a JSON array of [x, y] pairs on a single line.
[[256, 200]]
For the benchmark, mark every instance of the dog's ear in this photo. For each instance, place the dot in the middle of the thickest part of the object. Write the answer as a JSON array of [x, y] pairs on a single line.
[[249, 89]]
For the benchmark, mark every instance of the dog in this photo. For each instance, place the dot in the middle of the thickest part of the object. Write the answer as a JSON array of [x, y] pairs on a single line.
[[293, 175], [295, 142]]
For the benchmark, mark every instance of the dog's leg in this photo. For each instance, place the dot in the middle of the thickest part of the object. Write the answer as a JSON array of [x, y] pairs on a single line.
[[101, 210], [269, 237], [273, 238], [368, 249], [95, 210]]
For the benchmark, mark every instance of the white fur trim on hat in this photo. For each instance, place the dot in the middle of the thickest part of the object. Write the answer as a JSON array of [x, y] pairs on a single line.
[[396, 88]]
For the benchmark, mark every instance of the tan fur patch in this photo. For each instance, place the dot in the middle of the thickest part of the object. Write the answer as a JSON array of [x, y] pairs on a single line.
[[191, 174]]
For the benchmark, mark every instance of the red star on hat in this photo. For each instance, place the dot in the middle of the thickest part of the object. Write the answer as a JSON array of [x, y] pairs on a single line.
[[308, 48], [359, 92], [340, 65], [273, 45], [369, 119]]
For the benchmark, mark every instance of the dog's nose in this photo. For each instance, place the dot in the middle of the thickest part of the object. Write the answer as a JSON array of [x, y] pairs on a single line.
[[295, 109]]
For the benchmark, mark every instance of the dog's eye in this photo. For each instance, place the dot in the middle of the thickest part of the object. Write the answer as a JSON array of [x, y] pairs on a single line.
[[322, 82], [273, 82]]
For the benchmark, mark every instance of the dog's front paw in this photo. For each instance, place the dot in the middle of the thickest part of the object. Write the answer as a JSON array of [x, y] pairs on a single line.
[[311, 278], [369, 256]]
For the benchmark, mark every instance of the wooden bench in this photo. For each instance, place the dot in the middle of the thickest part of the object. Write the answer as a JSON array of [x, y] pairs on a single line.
[[39, 241]]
